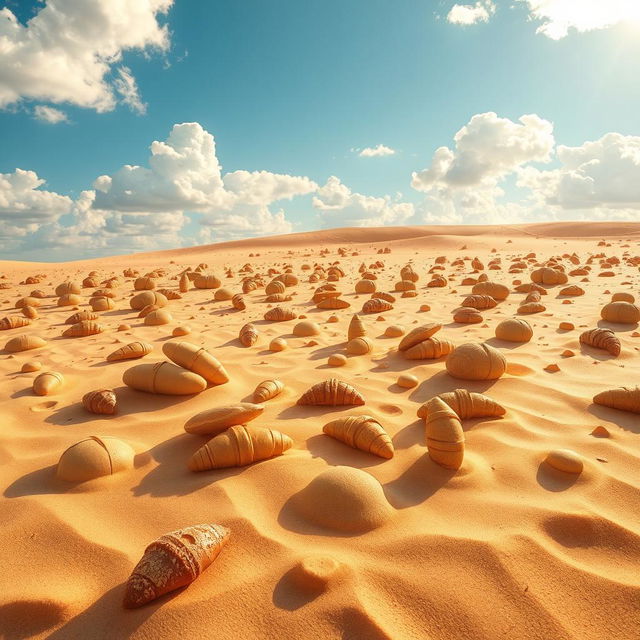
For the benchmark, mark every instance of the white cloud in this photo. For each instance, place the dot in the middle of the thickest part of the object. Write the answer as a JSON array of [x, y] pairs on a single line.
[[66, 52], [602, 174], [377, 152], [24, 207], [125, 84], [559, 16], [341, 207], [487, 149], [467, 14], [50, 115]]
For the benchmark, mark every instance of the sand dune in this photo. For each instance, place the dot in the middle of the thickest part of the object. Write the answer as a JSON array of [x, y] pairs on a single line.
[[504, 546]]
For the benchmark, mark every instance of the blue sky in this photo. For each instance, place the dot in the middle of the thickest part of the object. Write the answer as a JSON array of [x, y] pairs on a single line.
[[296, 90]]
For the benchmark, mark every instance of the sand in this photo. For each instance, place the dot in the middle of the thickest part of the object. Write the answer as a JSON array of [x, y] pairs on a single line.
[[504, 547]]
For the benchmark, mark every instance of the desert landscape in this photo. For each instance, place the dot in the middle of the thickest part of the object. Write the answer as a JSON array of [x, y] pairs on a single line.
[[508, 509]]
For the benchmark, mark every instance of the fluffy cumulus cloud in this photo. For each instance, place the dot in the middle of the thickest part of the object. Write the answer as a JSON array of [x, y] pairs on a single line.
[[467, 14], [340, 207], [24, 206], [558, 17], [604, 174], [487, 149], [377, 152], [71, 51]]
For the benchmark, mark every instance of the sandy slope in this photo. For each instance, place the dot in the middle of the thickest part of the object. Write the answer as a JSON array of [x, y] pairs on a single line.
[[504, 548]]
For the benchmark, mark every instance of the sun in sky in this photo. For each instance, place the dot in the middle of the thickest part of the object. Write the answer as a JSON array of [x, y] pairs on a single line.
[[132, 125]]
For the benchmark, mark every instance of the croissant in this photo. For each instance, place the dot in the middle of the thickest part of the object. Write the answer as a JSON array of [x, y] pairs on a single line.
[[130, 351], [80, 316], [47, 382], [248, 286], [248, 335], [445, 438], [602, 339], [333, 303], [331, 393], [214, 421], [94, 457], [172, 561], [102, 402], [384, 296], [356, 328], [158, 317], [620, 312], [164, 377], [196, 359], [471, 361], [83, 328], [419, 334], [437, 281], [514, 330], [238, 302], [467, 404], [429, 349], [238, 446], [533, 296], [13, 322], [478, 301], [376, 305], [267, 389], [280, 314], [206, 281], [623, 398], [361, 432], [23, 342]]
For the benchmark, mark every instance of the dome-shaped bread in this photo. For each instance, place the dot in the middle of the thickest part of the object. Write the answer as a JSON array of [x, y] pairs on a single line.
[[47, 383], [158, 317], [144, 284], [216, 420], [206, 281], [622, 398], [418, 335], [473, 361], [514, 330], [429, 349], [494, 289], [165, 378], [94, 457], [145, 298], [130, 351], [68, 288], [549, 276], [248, 335], [620, 312], [102, 303], [359, 346], [24, 342], [101, 402], [69, 300], [467, 315], [477, 301], [365, 286], [267, 389]]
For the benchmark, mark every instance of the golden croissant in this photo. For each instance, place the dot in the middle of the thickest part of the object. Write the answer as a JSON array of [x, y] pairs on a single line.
[[267, 389], [280, 314], [376, 305], [602, 339], [248, 335], [429, 349], [172, 561], [238, 302], [14, 322], [333, 303], [80, 316], [356, 328], [102, 402], [467, 404], [130, 351], [361, 432], [623, 398], [238, 446], [445, 438], [332, 393], [83, 328]]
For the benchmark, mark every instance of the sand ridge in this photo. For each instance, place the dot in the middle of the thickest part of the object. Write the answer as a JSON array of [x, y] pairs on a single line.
[[503, 547]]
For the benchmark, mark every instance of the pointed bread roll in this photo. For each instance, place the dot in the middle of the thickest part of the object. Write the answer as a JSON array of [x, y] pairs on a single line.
[[361, 432]]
